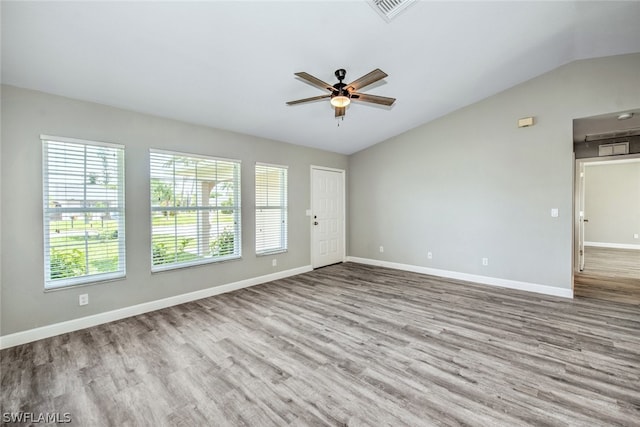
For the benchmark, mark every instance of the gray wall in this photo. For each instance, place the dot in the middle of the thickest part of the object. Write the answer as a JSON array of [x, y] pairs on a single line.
[[612, 202], [27, 114], [471, 184]]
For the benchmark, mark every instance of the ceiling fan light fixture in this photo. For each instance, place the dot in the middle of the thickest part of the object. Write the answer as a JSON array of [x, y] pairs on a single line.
[[340, 101]]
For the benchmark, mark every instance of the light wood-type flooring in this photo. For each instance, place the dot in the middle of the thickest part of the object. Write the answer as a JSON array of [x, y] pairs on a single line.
[[347, 344], [610, 274]]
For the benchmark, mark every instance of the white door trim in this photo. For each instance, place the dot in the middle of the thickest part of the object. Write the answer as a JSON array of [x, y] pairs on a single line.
[[577, 187], [344, 211]]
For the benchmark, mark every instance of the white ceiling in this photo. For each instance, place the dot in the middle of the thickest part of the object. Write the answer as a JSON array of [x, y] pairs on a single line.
[[230, 65]]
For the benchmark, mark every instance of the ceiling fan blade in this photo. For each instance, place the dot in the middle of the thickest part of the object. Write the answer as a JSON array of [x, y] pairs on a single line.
[[375, 99], [315, 81], [340, 111], [366, 80], [313, 98]]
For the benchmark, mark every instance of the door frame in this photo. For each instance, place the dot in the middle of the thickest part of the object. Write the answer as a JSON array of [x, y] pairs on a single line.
[[344, 210], [578, 187]]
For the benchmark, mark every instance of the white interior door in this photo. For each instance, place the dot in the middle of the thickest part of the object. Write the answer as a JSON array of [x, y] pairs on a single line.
[[327, 217]]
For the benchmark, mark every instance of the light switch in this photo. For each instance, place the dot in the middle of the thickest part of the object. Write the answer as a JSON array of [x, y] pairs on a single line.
[[554, 212]]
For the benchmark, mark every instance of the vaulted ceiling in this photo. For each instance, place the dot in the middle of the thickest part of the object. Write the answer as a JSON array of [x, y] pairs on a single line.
[[230, 65]]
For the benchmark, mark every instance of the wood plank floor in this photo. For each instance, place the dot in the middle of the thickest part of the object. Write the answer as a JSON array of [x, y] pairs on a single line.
[[348, 344], [611, 262], [610, 274]]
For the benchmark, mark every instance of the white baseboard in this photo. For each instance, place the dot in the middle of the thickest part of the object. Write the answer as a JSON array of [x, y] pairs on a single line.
[[35, 334], [485, 280], [613, 245]]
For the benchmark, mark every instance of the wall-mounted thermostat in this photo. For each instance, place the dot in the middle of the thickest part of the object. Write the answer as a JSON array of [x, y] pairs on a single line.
[[525, 122]]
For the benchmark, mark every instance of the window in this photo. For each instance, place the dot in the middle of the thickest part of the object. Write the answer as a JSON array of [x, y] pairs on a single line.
[[271, 209], [195, 209], [83, 200]]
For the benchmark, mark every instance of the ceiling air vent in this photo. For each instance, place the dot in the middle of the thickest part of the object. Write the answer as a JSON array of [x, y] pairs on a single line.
[[389, 9], [613, 149]]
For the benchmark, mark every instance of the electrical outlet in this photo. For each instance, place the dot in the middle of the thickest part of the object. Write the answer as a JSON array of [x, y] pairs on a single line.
[[274, 262], [636, 236], [485, 261], [381, 249], [83, 299], [429, 255]]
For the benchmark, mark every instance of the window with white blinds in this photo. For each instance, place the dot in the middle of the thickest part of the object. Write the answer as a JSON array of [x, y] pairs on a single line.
[[195, 209], [83, 201], [271, 209]]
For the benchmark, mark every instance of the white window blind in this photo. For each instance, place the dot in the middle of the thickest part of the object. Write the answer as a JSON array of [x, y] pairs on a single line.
[[271, 208], [195, 209], [83, 201]]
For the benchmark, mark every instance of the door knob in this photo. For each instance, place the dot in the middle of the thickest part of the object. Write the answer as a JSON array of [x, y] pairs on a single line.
[[315, 222]]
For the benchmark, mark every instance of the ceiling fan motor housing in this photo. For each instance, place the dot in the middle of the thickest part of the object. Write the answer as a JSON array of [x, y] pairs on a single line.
[[340, 89], [340, 74]]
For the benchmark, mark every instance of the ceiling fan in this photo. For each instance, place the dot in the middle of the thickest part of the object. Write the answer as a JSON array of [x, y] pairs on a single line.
[[341, 94]]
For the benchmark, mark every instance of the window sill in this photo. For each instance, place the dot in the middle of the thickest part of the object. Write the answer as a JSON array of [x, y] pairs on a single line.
[[274, 252], [169, 267], [72, 284]]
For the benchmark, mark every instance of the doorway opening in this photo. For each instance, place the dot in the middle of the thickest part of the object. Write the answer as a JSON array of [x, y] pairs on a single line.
[[607, 208]]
